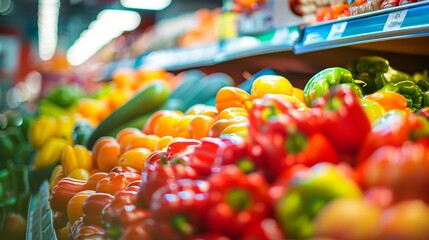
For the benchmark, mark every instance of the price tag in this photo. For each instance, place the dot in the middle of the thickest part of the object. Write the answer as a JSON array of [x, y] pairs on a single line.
[[395, 20], [337, 31]]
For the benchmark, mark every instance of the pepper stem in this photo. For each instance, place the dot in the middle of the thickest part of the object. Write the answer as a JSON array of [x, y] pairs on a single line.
[[181, 224], [334, 104], [246, 165], [238, 199], [296, 142]]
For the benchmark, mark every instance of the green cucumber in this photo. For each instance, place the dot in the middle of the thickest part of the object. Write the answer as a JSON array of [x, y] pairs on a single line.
[[190, 79], [206, 89], [145, 101]]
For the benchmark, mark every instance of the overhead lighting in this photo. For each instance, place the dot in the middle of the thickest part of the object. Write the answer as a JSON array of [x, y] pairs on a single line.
[[146, 4], [109, 25], [48, 28]]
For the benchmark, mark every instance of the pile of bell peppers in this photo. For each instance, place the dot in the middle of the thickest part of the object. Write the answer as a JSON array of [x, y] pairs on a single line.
[[260, 165]]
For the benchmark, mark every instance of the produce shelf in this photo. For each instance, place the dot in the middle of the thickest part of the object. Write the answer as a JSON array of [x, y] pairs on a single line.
[[404, 21], [180, 58], [280, 39]]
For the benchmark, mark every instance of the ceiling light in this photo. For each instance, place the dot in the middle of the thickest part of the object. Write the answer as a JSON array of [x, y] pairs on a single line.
[[100, 32], [146, 4], [48, 27]]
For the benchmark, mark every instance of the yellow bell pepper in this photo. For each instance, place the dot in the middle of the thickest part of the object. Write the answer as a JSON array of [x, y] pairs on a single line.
[[80, 174], [76, 157], [42, 130], [271, 84], [50, 153], [56, 176], [65, 128]]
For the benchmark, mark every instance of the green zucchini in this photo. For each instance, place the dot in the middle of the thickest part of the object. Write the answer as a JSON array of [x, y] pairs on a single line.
[[148, 99]]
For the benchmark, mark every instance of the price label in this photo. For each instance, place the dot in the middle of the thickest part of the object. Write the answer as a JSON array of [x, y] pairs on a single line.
[[337, 31], [395, 20]]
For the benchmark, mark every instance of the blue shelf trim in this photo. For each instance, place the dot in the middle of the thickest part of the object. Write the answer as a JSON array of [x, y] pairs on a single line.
[[366, 28]]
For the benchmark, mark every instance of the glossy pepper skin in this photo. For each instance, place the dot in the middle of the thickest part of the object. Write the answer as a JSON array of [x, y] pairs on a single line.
[[403, 169], [344, 120], [121, 213], [182, 205], [159, 171], [93, 208], [236, 201], [205, 156], [391, 76], [233, 97], [116, 181], [394, 128], [287, 137], [61, 194], [307, 192], [320, 83], [365, 69], [412, 93], [74, 157], [389, 100]]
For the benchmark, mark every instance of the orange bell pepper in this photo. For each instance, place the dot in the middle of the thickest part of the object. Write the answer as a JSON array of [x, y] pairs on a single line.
[[134, 158], [165, 124], [142, 141], [74, 207], [388, 100], [232, 112], [93, 180], [202, 109], [152, 122], [233, 97], [163, 142], [271, 84], [125, 132], [106, 152], [200, 126], [181, 128], [218, 127]]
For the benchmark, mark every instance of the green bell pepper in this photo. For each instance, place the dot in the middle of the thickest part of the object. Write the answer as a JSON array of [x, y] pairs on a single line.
[[82, 130], [412, 93], [425, 101], [64, 96], [365, 69], [319, 84], [309, 190], [391, 76]]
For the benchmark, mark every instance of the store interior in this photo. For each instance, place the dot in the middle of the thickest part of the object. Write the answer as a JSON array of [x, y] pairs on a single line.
[[75, 73]]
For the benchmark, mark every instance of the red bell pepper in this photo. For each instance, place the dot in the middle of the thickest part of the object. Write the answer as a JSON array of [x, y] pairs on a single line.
[[81, 231], [206, 156], [209, 236], [236, 201], [403, 169], [182, 205], [93, 207], [122, 213], [61, 194], [151, 229], [115, 182], [239, 154], [287, 137], [159, 171], [394, 128], [181, 147], [344, 121], [265, 229]]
